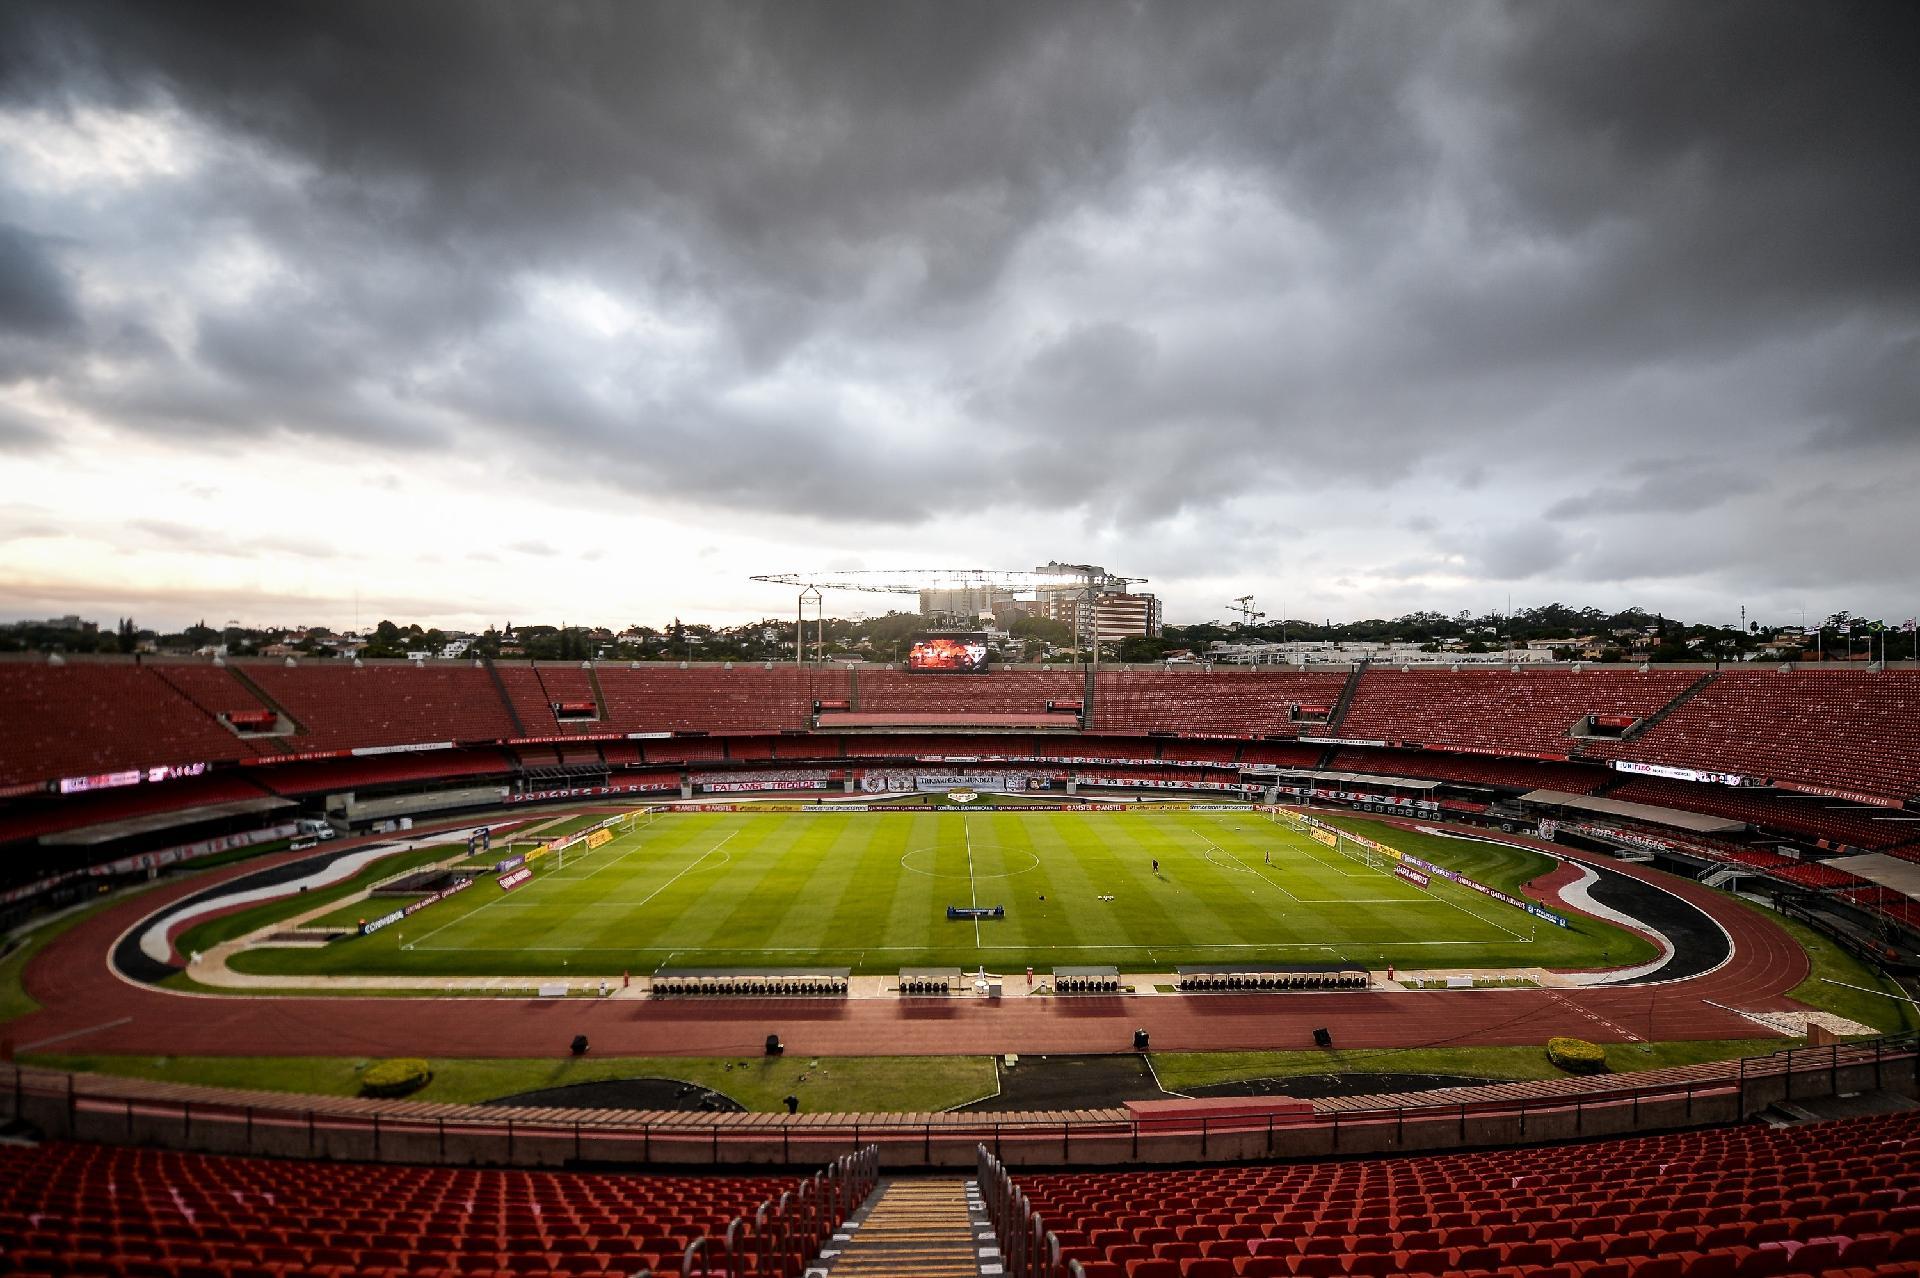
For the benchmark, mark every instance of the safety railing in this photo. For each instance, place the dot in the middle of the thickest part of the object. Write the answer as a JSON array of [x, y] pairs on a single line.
[[102, 1108]]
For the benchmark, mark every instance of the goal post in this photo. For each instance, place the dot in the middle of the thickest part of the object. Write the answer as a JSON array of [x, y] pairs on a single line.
[[1285, 817]]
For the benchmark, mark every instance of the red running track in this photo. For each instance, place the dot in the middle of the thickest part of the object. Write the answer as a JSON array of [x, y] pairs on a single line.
[[86, 1008]]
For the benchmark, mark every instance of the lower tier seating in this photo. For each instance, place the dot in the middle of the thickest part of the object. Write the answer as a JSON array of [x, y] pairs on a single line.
[[1726, 1203], [98, 1211]]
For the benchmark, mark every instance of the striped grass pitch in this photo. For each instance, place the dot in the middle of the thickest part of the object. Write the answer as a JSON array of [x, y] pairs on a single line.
[[870, 891]]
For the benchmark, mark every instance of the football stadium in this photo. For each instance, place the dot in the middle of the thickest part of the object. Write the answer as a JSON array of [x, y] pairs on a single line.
[[481, 797], [1249, 921]]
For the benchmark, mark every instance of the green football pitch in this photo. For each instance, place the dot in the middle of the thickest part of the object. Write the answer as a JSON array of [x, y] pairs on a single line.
[[870, 891]]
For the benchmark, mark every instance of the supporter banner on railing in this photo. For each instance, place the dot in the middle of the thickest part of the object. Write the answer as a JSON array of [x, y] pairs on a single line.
[[1830, 792], [302, 756], [567, 738], [1339, 741], [514, 878], [1158, 783], [737, 787], [593, 791]]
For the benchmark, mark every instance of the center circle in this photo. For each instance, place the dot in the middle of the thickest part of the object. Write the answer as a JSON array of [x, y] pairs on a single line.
[[920, 861]]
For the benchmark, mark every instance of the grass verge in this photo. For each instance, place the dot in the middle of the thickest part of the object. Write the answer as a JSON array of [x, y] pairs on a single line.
[[1875, 1000], [869, 1084], [1180, 1071]]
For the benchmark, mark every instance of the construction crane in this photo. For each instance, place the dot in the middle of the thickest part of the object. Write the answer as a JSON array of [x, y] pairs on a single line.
[[1249, 615], [1088, 578]]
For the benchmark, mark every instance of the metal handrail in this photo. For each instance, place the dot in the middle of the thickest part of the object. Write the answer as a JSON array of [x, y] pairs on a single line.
[[395, 1119]]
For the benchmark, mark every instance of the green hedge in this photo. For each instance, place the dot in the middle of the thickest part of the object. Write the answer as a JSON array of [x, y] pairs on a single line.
[[395, 1077], [1577, 1056]]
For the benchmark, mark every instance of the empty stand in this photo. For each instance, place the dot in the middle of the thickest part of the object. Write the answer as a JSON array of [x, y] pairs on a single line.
[[1517, 712], [1723, 1203], [222, 696], [1802, 817], [84, 1210], [85, 717], [747, 698], [1846, 728], [386, 705], [1239, 703], [996, 692], [528, 695], [1473, 769]]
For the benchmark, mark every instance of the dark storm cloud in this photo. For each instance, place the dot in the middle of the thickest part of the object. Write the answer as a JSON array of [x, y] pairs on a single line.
[[1138, 259], [34, 298], [19, 433]]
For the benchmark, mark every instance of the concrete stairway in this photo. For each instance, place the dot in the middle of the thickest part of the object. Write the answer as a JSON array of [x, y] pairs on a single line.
[[918, 1228]]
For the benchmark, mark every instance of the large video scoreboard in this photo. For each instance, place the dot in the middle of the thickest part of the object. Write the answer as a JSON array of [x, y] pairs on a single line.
[[949, 652]]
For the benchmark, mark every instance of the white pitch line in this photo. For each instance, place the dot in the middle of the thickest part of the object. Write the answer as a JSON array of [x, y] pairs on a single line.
[[39, 1043], [973, 893], [508, 896], [676, 878], [607, 863]]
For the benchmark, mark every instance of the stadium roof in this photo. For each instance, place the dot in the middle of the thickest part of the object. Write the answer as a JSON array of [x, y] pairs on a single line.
[[1693, 822], [1887, 871], [92, 834]]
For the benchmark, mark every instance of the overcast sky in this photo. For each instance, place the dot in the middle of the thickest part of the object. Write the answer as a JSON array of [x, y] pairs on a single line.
[[463, 313]]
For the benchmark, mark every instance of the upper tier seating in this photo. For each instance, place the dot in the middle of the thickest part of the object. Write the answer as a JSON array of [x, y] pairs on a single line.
[[1235, 703], [529, 698], [87, 1210], [747, 698], [1518, 774], [1847, 728], [218, 691], [997, 692], [566, 683], [84, 718], [1524, 712], [1725, 1203], [385, 705]]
